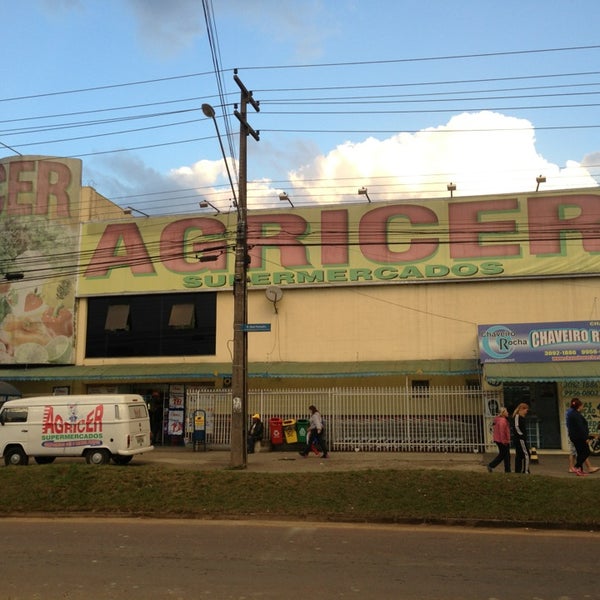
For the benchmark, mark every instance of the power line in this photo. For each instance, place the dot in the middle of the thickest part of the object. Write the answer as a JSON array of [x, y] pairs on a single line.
[[424, 58], [308, 66]]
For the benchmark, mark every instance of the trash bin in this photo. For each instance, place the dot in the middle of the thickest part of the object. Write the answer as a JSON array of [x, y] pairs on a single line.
[[276, 430], [289, 430], [199, 433], [302, 429]]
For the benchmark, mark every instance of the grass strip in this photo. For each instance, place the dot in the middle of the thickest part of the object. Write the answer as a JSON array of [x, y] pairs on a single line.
[[359, 496]]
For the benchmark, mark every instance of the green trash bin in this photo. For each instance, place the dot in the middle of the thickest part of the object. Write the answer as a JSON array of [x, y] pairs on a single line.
[[302, 429]]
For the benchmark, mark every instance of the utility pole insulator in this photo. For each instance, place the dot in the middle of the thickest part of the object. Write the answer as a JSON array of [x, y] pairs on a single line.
[[249, 130]]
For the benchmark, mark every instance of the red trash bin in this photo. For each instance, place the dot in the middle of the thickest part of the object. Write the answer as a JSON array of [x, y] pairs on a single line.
[[276, 430]]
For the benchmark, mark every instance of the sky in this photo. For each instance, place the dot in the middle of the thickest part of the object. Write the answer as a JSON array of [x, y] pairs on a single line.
[[399, 97]]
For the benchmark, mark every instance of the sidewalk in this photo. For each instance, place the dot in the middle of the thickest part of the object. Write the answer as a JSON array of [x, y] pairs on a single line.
[[555, 464]]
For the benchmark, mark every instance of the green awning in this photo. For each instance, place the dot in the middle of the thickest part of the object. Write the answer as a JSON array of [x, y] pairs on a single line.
[[552, 371], [204, 371]]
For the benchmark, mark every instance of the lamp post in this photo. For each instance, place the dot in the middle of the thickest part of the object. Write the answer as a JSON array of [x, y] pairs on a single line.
[[209, 112]]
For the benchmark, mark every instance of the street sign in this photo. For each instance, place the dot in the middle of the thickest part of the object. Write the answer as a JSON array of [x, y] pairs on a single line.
[[256, 327]]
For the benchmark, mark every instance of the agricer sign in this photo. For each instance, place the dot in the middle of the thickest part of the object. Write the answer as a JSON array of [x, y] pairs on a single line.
[[471, 239]]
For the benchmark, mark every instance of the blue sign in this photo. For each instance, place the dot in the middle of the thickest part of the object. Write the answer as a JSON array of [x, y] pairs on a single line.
[[539, 342], [256, 327]]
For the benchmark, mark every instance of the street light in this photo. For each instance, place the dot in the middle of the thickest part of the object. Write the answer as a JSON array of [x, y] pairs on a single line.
[[209, 112], [130, 209], [364, 192], [206, 204], [539, 179], [285, 198]]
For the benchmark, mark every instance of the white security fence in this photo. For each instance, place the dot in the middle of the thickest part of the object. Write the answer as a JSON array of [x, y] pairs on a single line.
[[436, 419]]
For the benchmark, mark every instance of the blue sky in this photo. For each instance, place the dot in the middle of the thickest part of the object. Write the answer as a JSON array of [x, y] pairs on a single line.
[[401, 97]]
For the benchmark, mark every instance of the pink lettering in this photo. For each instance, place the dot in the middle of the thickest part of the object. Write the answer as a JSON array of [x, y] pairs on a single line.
[[468, 231], [55, 424], [549, 221]]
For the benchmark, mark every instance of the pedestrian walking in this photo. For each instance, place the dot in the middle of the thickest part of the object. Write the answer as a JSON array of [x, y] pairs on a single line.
[[316, 433], [579, 432], [573, 457], [522, 452], [501, 435]]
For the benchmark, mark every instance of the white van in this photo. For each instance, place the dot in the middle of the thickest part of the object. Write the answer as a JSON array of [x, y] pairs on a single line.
[[98, 427]]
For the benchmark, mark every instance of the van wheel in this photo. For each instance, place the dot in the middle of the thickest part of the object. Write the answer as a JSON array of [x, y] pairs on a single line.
[[97, 457], [119, 459], [44, 460], [15, 456]]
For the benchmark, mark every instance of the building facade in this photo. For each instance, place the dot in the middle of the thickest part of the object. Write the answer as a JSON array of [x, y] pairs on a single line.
[[404, 295]]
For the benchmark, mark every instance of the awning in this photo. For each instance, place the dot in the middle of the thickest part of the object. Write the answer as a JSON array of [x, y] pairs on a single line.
[[6, 389], [552, 371], [195, 372]]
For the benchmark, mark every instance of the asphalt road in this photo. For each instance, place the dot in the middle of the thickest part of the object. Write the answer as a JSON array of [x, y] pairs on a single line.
[[110, 559]]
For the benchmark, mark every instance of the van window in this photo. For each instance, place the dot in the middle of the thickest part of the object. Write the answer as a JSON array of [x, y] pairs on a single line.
[[14, 415], [138, 411]]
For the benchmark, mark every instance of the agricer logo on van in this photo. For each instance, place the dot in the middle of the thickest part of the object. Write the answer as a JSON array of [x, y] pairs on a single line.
[[64, 427]]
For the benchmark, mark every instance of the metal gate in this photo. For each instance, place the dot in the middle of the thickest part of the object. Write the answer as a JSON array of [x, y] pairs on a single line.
[[435, 419]]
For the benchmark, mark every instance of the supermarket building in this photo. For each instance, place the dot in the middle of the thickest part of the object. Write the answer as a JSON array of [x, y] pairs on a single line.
[[407, 323]]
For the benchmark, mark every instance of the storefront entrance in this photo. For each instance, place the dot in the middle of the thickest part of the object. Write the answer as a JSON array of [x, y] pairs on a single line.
[[544, 416], [164, 406]]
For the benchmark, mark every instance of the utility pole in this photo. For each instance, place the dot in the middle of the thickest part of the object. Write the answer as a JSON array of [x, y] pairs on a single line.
[[239, 371]]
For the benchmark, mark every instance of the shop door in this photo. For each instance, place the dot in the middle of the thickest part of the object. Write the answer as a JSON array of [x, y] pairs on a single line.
[[544, 416]]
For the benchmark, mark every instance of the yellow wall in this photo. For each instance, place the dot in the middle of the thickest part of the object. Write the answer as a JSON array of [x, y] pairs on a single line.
[[95, 207], [382, 323], [405, 322]]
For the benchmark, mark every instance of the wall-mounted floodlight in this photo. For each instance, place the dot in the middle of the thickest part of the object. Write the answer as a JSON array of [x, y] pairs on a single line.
[[364, 192], [14, 276], [130, 209], [539, 179], [451, 187], [285, 198], [206, 204]]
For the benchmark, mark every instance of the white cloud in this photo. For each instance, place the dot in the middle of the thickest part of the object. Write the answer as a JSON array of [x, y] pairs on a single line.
[[482, 153]]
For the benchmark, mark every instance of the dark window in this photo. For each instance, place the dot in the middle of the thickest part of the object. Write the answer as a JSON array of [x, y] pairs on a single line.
[[117, 317], [420, 388], [152, 325], [15, 415], [182, 315]]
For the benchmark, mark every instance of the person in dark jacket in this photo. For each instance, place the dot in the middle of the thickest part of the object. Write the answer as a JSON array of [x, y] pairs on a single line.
[[255, 433], [579, 432], [522, 453]]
